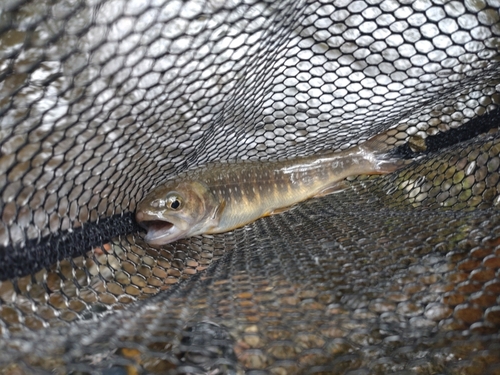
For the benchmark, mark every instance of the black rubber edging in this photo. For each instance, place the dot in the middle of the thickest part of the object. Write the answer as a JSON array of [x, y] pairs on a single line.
[[471, 129], [16, 261]]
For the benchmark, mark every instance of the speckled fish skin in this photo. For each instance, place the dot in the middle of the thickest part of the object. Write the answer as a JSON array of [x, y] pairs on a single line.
[[219, 197]]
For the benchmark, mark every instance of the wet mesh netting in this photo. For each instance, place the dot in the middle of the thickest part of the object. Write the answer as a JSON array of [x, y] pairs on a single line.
[[102, 100]]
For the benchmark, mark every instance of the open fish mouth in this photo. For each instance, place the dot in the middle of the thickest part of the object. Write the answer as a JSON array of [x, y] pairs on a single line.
[[159, 231], [156, 225]]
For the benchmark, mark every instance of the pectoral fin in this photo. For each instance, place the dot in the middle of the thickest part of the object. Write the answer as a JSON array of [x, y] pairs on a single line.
[[218, 212]]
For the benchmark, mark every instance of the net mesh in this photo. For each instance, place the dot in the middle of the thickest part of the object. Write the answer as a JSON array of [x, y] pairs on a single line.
[[101, 100]]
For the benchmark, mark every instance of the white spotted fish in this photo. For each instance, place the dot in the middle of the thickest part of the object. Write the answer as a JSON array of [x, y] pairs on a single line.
[[219, 197]]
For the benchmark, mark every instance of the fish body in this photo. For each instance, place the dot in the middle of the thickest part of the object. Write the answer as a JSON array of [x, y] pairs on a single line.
[[220, 197]]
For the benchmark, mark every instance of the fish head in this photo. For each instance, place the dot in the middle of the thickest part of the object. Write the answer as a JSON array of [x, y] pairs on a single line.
[[175, 210]]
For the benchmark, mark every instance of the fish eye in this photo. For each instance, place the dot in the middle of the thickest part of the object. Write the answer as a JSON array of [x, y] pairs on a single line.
[[174, 202]]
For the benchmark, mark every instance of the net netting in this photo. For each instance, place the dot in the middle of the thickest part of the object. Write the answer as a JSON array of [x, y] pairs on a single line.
[[102, 100]]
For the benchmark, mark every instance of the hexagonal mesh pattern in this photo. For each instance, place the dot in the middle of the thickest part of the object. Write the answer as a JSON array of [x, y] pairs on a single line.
[[102, 100]]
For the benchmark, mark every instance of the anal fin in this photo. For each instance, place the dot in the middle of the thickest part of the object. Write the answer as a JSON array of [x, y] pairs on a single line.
[[334, 188], [280, 210]]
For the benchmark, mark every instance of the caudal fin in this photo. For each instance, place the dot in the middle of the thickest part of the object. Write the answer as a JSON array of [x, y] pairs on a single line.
[[377, 151]]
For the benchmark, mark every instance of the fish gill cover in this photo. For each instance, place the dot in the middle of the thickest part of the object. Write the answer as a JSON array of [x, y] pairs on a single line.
[[102, 100]]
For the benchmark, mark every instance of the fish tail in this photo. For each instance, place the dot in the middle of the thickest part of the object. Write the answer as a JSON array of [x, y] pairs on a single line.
[[377, 151]]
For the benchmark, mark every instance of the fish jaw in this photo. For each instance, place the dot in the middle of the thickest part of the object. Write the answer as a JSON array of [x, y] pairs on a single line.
[[161, 231]]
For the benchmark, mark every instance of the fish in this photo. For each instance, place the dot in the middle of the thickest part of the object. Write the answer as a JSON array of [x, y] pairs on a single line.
[[221, 196]]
